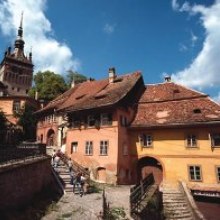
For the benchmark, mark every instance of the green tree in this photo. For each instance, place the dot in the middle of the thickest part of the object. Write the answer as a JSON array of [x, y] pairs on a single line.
[[48, 85], [3, 121], [28, 122], [74, 76]]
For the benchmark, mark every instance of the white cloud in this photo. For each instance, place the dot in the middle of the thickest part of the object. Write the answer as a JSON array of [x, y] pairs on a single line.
[[183, 47], [48, 53], [109, 29], [203, 72], [194, 39], [176, 6]]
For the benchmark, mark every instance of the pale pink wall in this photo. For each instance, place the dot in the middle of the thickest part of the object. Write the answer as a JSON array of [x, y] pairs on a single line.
[[42, 129], [96, 160], [116, 163]]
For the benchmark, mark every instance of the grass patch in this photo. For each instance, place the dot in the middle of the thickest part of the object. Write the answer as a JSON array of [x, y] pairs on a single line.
[[116, 213]]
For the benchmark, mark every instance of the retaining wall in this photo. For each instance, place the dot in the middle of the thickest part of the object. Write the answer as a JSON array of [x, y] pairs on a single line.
[[19, 183]]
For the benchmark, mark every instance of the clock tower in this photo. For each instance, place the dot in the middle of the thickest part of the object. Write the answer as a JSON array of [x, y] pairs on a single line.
[[16, 69]]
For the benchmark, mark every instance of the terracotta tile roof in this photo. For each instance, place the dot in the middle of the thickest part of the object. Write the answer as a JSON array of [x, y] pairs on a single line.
[[93, 94], [168, 91], [160, 106]]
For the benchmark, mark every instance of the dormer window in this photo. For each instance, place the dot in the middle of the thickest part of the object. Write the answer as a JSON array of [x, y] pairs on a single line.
[[91, 120], [106, 119], [215, 140], [197, 111]]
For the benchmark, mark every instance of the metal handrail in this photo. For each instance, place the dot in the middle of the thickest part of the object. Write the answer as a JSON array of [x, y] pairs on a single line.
[[138, 192]]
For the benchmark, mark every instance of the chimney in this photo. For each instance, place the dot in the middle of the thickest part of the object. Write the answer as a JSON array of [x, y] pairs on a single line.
[[111, 75], [73, 83], [167, 78]]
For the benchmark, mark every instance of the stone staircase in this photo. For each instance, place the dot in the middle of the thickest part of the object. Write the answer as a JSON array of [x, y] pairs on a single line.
[[175, 204], [64, 177], [62, 172]]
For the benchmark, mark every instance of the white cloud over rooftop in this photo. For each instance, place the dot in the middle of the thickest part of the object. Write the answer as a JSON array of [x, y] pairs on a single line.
[[48, 52], [203, 71]]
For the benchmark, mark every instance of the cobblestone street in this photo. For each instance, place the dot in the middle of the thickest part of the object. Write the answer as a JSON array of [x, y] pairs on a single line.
[[72, 206]]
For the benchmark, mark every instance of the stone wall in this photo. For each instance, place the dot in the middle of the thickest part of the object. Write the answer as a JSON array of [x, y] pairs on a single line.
[[19, 183]]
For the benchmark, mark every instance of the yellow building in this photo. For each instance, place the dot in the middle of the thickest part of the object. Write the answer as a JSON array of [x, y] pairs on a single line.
[[176, 135]]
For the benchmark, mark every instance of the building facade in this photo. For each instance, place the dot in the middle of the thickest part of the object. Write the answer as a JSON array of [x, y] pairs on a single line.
[[122, 130], [16, 74]]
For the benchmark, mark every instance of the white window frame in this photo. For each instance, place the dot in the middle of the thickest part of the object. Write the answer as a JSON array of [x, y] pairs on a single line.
[[191, 141], [104, 145], [91, 120], [74, 147], [213, 140], [105, 119], [146, 140], [195, 173], [16, 105], [89, 148]]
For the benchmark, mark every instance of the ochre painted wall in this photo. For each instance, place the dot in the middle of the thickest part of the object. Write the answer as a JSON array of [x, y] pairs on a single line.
[[169, 148]]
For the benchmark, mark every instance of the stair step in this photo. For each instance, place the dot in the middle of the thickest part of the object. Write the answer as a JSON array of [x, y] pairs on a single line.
[[179, 208], [180, 215], [183, 218], [173, 201]]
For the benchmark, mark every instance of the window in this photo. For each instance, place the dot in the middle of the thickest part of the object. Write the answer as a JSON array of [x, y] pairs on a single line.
[[106, 119], [91, 120], [16, 105], [76, 123], [125, 149], [218, 173], [195, 173], [89, 148], [103, 147], [74, 146], [146, 140], [123, 121], [215, 140], [191, 140]]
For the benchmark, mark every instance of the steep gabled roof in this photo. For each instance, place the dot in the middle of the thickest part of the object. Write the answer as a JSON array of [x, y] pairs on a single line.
[[54, 104], [94, 94], [169, 104]]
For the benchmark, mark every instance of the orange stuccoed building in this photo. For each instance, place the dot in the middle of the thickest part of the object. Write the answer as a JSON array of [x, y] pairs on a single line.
[[122, 130]]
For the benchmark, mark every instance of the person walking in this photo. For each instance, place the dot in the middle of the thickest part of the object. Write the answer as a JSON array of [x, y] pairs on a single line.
[[70, 165], [53, 157], [82, 183]]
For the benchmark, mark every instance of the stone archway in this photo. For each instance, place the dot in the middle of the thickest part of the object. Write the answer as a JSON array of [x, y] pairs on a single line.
[[147, 165], [50, 137], [101, 174]]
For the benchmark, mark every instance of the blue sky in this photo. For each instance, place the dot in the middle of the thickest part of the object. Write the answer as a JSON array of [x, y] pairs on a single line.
[[158, 37]]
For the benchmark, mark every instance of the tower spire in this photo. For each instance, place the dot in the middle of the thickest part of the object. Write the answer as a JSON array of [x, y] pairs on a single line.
[[19, 42], [20, 29]]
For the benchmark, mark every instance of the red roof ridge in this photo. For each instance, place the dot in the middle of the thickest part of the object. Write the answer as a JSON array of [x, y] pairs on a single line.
[[176, 99]]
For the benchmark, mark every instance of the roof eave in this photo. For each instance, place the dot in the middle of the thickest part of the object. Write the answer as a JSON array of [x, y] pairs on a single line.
[[174, 125]]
